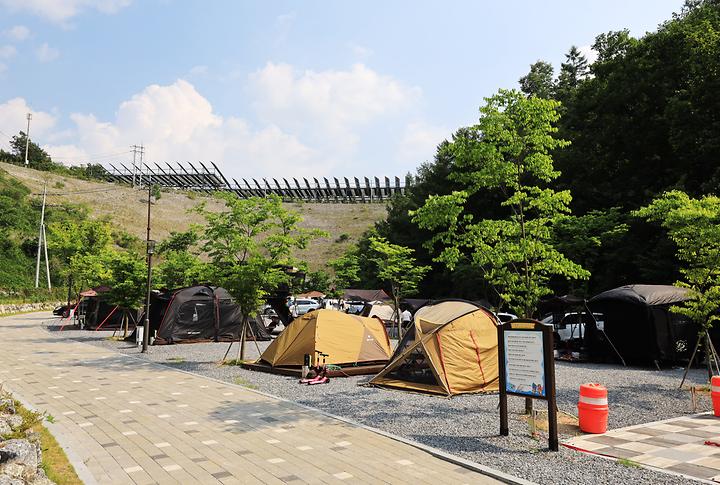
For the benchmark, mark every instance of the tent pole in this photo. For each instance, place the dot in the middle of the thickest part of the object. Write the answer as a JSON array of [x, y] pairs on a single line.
[[692, 359], [228, 350], [252, 332], [714, 352]]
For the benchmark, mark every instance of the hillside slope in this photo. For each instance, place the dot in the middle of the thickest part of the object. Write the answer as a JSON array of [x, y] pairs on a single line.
[[127, 208]]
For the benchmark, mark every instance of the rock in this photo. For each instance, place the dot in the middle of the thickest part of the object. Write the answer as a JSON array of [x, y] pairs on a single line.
[[20, 459], [15, 470], [14, 420], [8, 480], [41, 479], [4, 427]]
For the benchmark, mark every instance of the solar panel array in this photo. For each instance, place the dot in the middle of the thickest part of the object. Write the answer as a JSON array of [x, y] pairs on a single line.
[[201, 178]]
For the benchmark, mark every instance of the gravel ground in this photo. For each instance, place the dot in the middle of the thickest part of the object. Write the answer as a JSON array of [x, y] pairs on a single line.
[[464, 425]]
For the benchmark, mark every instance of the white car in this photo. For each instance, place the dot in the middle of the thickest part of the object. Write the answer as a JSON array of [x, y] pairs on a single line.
[[572, 325], [302, 306]]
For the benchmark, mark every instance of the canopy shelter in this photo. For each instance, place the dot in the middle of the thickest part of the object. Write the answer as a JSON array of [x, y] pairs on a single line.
[[96, 313], [642, 327], [452, 350], [198, 314], [365, 295], [348, 340], [378, 309]]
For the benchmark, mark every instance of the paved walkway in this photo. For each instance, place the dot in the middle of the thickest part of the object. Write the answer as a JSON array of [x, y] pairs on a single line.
[[688, 446], [124, 420]]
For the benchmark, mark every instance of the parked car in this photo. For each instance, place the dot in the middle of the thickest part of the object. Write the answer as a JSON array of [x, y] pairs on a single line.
[[62, 311], [302, 306], [354, 307], [572, 325], [505, 317]]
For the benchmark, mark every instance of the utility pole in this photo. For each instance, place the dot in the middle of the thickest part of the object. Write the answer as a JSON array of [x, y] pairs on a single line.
[[27, 142], [42, 243], [134, 150], [150, 249]]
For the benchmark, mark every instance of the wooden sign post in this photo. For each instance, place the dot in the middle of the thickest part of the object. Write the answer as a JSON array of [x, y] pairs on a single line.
[[527, 369]]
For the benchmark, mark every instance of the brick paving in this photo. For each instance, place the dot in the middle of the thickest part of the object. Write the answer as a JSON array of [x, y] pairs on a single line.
[[682, 446], [127, 421]]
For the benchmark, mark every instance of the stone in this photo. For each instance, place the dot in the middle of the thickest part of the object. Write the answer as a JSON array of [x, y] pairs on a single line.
[[14, 420], [8, 480], [20, 452], [7, 406], [4, 427]]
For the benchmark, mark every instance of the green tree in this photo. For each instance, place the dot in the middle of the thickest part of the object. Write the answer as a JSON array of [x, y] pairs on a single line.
[[346, 271], [397, 267], [251, 245], [694, 226], [572, 72], [127, 282], [511, 154], [317, 281], [539, 81], [179, 269], [37, 157], [180, 241], [72, 237]]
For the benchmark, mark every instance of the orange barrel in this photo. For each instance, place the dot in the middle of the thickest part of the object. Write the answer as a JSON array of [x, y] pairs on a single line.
[[593, 408], [715, 388]]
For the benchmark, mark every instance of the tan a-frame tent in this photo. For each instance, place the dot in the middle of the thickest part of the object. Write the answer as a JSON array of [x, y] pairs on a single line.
[[349, 340], [452, 350]]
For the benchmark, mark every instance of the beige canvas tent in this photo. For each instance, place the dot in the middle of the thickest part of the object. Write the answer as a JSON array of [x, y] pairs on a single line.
[[452, 350], [347, 339]]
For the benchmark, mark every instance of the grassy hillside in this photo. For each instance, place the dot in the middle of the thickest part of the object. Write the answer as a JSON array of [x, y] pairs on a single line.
[[127, 208]]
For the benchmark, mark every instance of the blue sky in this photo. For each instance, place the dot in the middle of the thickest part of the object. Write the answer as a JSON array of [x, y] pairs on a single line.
[[278, 88]]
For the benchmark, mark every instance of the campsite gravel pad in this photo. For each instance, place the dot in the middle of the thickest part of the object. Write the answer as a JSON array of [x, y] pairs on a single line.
[[688, 446], [466, 425]]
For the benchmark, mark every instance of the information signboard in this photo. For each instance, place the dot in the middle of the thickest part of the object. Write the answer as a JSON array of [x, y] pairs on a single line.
[[527, 368], [524, 363]]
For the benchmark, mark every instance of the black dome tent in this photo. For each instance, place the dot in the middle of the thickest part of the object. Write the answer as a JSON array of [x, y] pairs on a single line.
[[642, 327], [198, 314]]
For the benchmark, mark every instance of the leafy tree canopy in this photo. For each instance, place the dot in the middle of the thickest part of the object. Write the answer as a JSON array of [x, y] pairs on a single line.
[[511, 154]]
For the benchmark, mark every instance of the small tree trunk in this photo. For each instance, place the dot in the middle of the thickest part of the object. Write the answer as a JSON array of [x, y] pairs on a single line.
[[241, 348], [528, 405], [126, 320]]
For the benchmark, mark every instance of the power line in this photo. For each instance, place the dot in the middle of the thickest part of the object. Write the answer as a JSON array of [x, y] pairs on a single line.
[[93, 156]]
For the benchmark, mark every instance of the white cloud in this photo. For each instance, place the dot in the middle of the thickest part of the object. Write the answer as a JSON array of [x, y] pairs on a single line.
[[590, 54], [176, 123], [13, 119], [17, 33], [45, 53], [199, 70], [308, 123], [62, 10], [7, 51], [328, 108], [359, 51], [419, 142]]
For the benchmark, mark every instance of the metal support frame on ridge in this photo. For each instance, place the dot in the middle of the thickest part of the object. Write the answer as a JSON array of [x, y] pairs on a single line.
[[187, 176]]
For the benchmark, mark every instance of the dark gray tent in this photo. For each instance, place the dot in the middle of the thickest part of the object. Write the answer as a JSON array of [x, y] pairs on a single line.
[[199, 314], [640, 324]]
